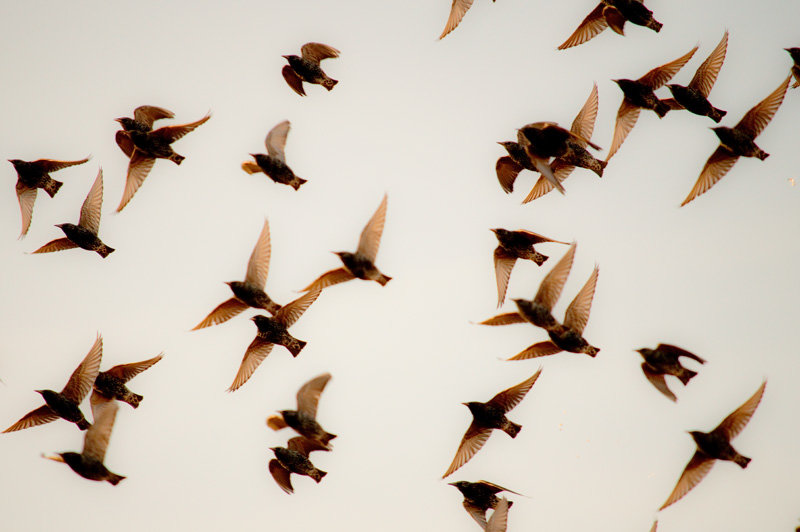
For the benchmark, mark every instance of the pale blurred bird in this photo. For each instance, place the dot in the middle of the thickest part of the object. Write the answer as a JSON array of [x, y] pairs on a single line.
[[479, 497], [294, 459], [738, 141], [307, 68], [498, 522], [665, 360], [111, 384], [694, 97], [795, 53], [612, 14], [273, 164], [143, 118], [303, 420], [715, 445], [457, 12], [83, 235]]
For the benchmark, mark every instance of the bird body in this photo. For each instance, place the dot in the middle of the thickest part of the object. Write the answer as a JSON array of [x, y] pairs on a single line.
[[479, 497], [90, 468], [695, 102], [294, 459], [570, 340], [85, 239], [64, 408], [717, 446], [273, 164], [362, 268], [489, 416], [154, 146], [635, 12], [273, 331], [739, 143], [306, 426], [642, 96], [303, 420], [665, 360], [253, 296], [306, 67], [111, 384]]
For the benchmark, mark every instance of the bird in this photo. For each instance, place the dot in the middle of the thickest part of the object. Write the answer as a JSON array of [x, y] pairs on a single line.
[[694, 97], [488, 416], [498, 522], [715, 445], [360, 264], [89, 463], [65, 404], [250, 292], [738, 141], [513, 245], [271, 331], [665, 360], [795, 53], [457, 12], [307, 68], [479, 497], [613, 14], [111, 384], [294, 459], [638, 94], [273, 164], [143, 118], [147, 147], [32, 175], [303, 420], [83, 235]]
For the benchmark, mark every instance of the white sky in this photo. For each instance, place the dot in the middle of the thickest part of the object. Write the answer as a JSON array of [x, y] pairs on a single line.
[[418, 119]]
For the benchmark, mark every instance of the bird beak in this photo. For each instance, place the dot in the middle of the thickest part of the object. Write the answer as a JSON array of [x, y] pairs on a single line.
[[285, 56], [54, 458], [451, 483], [118, 120]]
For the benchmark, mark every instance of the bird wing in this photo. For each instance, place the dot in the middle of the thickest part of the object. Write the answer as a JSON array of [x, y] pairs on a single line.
[[222, 313], [147, 114], [82, 379], [503, 264], [476, 512], [498, 522], [508, 399], [90, 210], [546, 170], [657, 380], [504, 319], [697, 468], [258, 265], [124, 142], [662, 74], [330, 278], [51, 165], [95, 441], [535, 238], [676, 352], [256, 352], [281, 475], [293, 80], [496, 488], [316, 51], [719, 164], [578, 311], [551, 286], [507, 171], [305, 446], [738, 419], [706, 74], [561, 171], [59, 244], [583, 125], [170, 134], [457, 12], [470, 444], [371, 235], [26, 197], [291, 312], [759, 116], [40, 416], [138, 169], [276, 140], [541, 349], [615, 19], [308, 395], [627, 116], [126, 372], [592, 25]]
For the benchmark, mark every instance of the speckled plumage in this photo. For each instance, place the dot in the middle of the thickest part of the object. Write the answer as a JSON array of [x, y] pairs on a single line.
[[306, 67]]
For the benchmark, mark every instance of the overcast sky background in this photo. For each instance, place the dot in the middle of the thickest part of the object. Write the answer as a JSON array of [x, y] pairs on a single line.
[[418, 119]]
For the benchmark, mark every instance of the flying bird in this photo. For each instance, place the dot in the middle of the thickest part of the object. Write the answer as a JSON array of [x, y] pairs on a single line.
[[665, 360], [304, 419], [143, 118], [715, 445], [738, 141], [694, 97], [83, 235], [611, 14], [273, 164], [488, 416], [294, 459], [457, 12], [479, 497], [111, 384], [795, 53], [498, 522], [307, 68]]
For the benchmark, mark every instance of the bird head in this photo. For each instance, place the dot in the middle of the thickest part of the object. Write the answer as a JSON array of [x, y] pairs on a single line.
[[126, 123], [58, 457], [696, 435], [290, 57], [461, 485], [508, 145], [15, 162], [644, 351]]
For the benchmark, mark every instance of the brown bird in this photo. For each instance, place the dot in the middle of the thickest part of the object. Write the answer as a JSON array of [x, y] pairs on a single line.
[[738, 141], [694, 97], [294, 459], [360, 264], [498, 522], [147, 147], [274, 163], [83, 235], [143, 118], [457, 12], [479, 497], [250, 292], [111, 384], [612, 14], [488, 416], [715, 445], [638, 94], [665, 360], [303, 420], [307, 68], [32, 175], [64, 404], [795, 53]]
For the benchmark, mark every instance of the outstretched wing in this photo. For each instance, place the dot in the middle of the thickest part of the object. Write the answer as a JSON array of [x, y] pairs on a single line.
[[578, 311], [126, 372], [316, 51], [508, 399], [759, 116], [138, 169], [470, 444], [457, 12], [309, 394], [26, 197], [371, 235], [662, 74], [706, 74], [82, 379], [258, 265], [738, 419], [276, 140], [697, 468], [170, 134], [589, 28], [551, 286], [90, 210], [719, 164]]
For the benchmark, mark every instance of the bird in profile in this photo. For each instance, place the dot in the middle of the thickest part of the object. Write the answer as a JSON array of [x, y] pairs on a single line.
[[304, 419], [488, 416], [294, 459], [638, 95], [694, 97], [795, 53], [665, 360], [360, 264], [111, 384], [143, 118], [83, 235], [479, 497], [306, 67], [147, 147], [498, 522], [89, 463], [612, 14], [715, 445], [33, 175], [273, 164], [250, 292], [738, 141], [271, 331], [64, 404], [457, 12]]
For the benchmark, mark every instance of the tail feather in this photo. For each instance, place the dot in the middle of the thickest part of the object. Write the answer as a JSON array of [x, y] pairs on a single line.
[[686, 375], [115, 479], [716, 114], [105, 251], [317, 474], [327, 437], [177, 159], [655, 25], [297, 182], [601, 166], [83, 424], [742, 461], [134, 399], [52, 186], [512, 429], [330, 83], [662, 109], [383, 279], [295, 346]]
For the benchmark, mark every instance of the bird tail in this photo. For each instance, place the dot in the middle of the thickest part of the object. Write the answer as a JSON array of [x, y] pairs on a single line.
[[177, 159], [104, 251], [686, 375], [295, 346], [599, 167], [716, 114], [592, 351], [115, 479], [327, 437], [271, 307], [297, 181], [83, 424], [317, 474], [512, 429], [654, 25], [741, 461], [52, 186], [383, 279], [540, 259], [330, 83], [761, 154], [134, 399], [661, 108]]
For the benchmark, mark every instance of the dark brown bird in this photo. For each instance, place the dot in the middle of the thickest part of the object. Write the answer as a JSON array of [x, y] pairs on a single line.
[[250, 292], [694, 97], [738, 141], [479, 497], [83, 235], [457, 12], [111, 384], [665, 360], [488, 416], [65, 404], [304, 419], [715, 445], [273, 164], [143, 118], [32, 175], [612, 14], [294, 459], [307, 68], [795, 53]]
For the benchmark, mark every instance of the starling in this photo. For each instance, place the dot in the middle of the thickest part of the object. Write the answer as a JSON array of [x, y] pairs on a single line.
[[111, 384], [665, 360], [513, 245], [487, 416], [457, 12], [147, 147], [694, 97], [83, 235], [639, 95], [360, 264], [294, 459], [479, 497], [498, 522], [795, 53], [89, 463], [250, 292], [273, 331], [32, 175], [613, 14], [306, 68], [143, 118], [715, 445], [303, 420], [274, 163], [64, 404], [738, 141]]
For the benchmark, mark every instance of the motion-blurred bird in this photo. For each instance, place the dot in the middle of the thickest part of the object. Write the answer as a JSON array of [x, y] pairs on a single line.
[[143, 118], [274, 162], [715, 445], [612, 14], [498, 522], [83, 235], [488, 416], [307, 68], [665, 360], [250, 292], [457, 12], [694, 97], [738, 141], [32, 175], [111, 384], [65, 404], [303, 420], [795, 53], [294, 459], [479, 497]]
